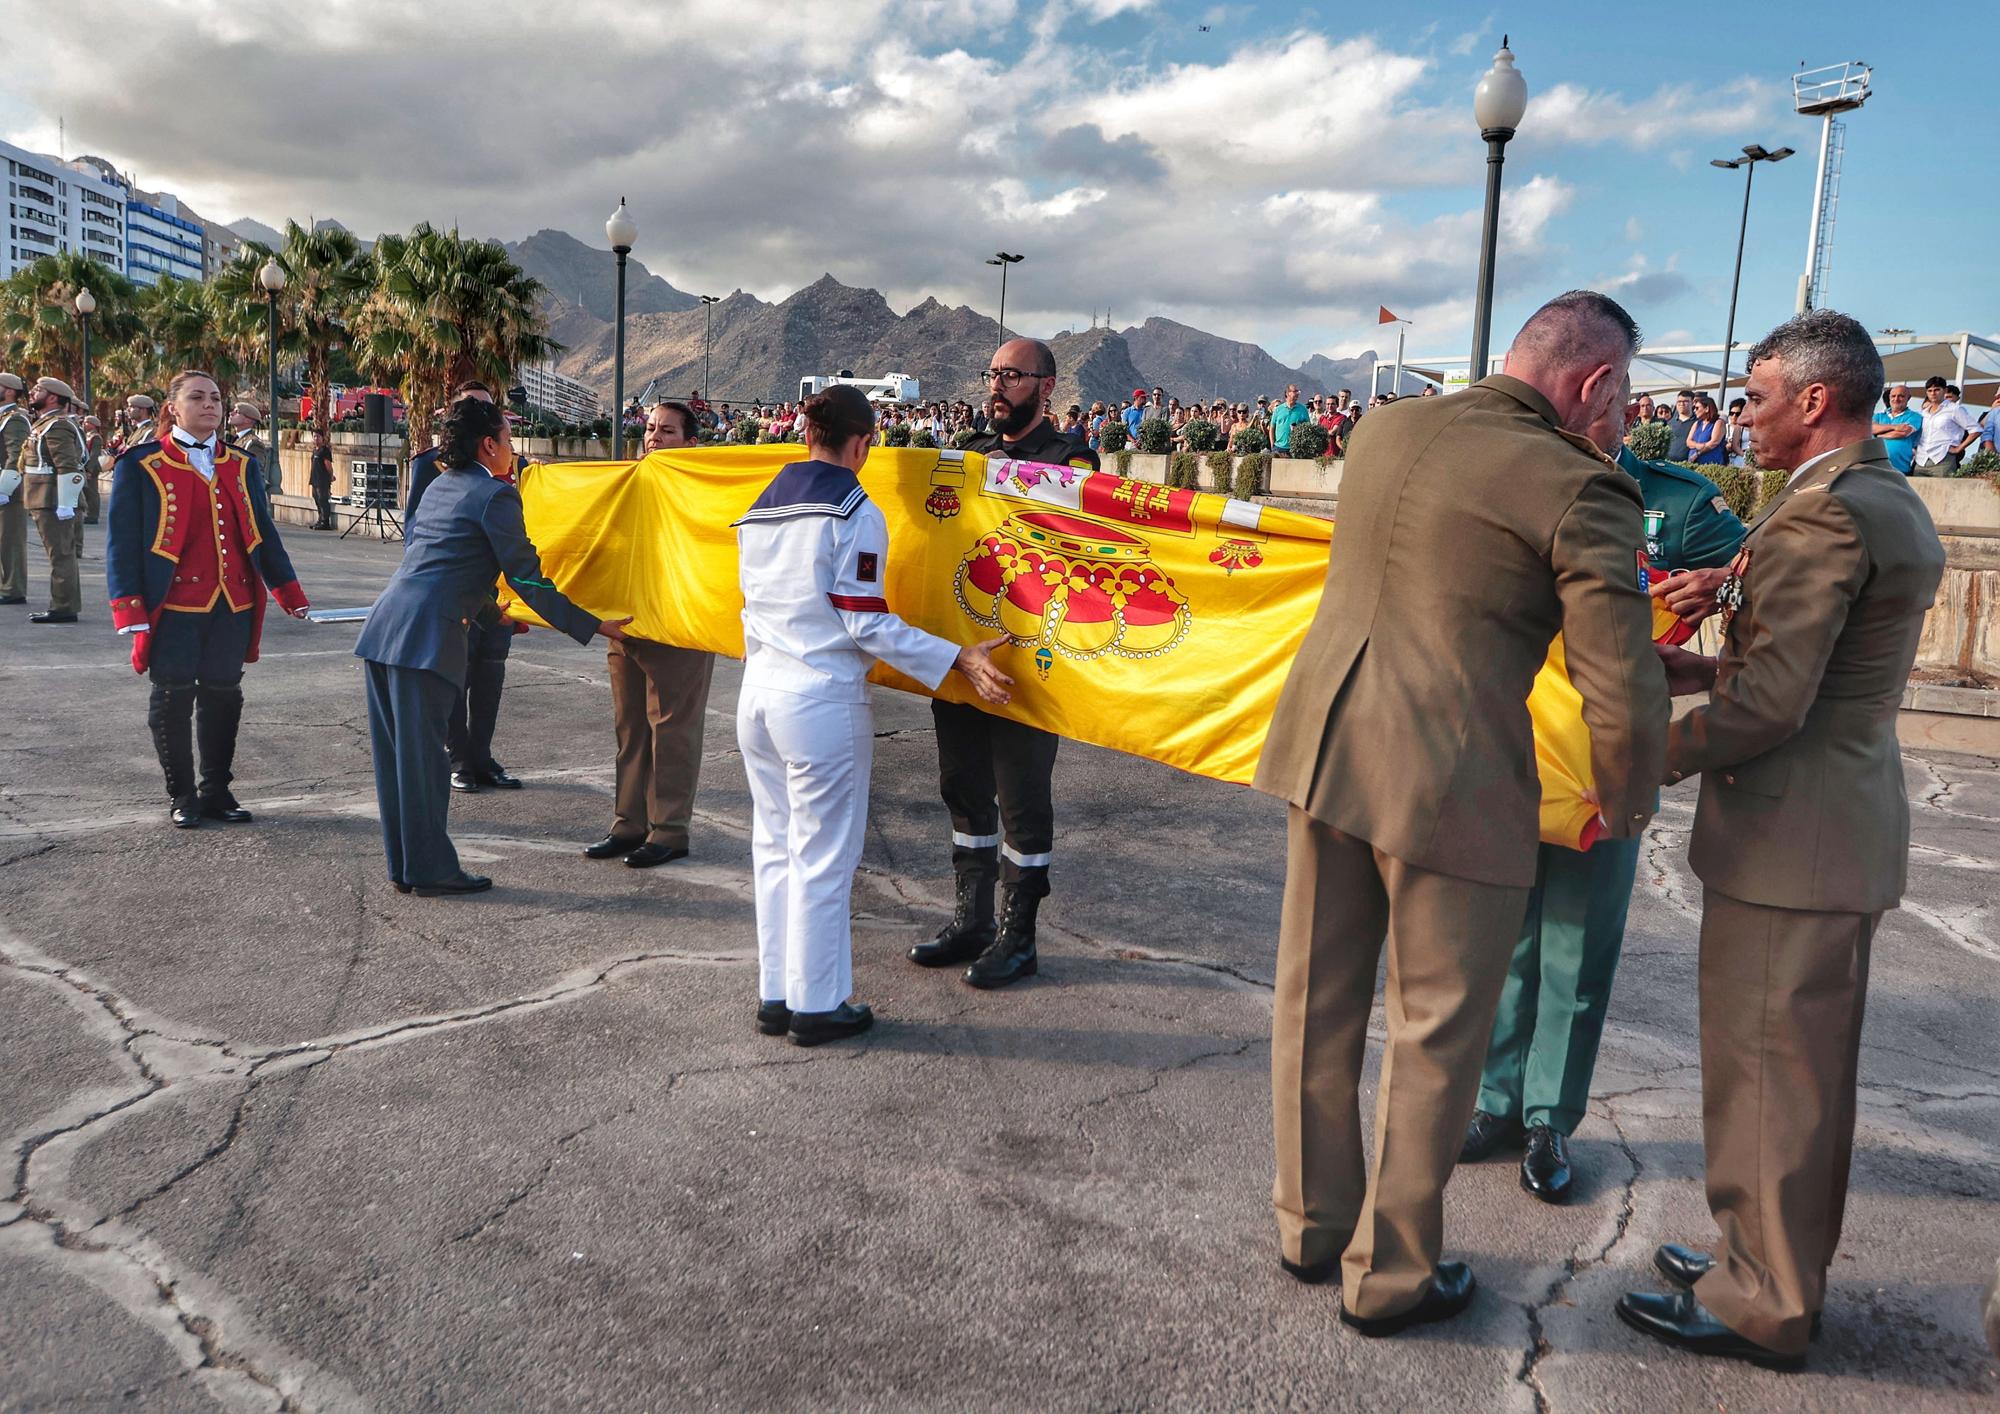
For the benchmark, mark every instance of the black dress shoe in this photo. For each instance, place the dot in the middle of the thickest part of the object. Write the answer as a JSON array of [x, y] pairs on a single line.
[[1545, 1166], [1449, 1292], [464, 884], [610, 847], [1486, 1134], [649, 854], [15, 599], [816, 1028], [50, 616], [1683, 1266], [1311, 1273], [401, 887], [186, 814], [465, 781], [1679, 1319], [496, 776], [773, 1018], [225, 809]]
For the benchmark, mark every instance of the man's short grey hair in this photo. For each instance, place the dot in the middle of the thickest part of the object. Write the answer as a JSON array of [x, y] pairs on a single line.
[[1829, 348], [1581, 326]]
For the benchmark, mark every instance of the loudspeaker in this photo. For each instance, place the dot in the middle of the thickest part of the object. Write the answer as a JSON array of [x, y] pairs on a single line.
[[375, 415]]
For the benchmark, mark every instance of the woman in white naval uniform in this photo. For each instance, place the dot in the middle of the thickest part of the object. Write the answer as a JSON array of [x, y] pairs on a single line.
[[814, 553]]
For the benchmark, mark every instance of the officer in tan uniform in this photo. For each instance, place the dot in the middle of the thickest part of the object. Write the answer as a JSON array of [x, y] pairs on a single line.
[[1472, 529], [13, 515], [245, 419], [140, 426], [51, 467], [1801, 838]]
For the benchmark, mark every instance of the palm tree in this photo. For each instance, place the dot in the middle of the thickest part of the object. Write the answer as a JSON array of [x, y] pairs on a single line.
[[39, 330], [326, 277], [183, 329], [445, 309]]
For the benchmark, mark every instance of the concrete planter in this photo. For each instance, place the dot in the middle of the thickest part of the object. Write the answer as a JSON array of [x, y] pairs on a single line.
[[1969, 503]]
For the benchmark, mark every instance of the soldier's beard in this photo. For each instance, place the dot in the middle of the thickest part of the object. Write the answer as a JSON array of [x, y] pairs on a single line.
[[1011, 419]]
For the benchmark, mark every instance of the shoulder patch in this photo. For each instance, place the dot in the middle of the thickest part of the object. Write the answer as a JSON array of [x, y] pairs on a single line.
[[866, 567], [1721, 505]]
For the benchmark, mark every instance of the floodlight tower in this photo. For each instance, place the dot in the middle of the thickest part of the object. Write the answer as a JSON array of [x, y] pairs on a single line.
[[1826, 93]]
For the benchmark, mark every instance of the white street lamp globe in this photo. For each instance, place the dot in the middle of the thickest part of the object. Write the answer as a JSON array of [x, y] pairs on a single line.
[[86, 303], [622, 231], [272, 276], [1502, 95]]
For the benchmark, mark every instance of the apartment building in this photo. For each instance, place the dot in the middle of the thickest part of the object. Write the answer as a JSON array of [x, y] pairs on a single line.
[[55, 206]]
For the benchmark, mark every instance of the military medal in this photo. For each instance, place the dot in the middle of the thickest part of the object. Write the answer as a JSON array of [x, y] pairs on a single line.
[[1656, 522], [1729, 595]]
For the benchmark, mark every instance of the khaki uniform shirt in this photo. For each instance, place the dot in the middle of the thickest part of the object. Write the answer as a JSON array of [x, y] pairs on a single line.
[[1470, 530]]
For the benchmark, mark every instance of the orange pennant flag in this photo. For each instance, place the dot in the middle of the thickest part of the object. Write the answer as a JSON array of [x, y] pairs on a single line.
[[1383, 316]]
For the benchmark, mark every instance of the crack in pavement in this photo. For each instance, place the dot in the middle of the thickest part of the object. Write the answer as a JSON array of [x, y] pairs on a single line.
[[1539, 1347], [133, 1270]]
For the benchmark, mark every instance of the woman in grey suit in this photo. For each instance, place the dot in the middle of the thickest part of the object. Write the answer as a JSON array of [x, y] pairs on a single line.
[[470, 534]]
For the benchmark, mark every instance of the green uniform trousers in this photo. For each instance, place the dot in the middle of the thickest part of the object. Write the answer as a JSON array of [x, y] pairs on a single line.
[[1544, 1046]]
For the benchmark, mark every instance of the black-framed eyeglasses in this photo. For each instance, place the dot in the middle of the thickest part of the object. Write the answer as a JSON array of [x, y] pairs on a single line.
[[1008, 377]]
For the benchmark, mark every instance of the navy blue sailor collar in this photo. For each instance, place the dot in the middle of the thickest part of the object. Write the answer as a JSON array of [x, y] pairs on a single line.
[[807, 488]]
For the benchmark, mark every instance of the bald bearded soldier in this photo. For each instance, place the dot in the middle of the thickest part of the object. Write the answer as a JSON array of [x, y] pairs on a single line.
[[995, 774], [14, 426]]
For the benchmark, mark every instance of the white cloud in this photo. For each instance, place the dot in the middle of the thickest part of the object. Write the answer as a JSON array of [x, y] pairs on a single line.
[[1264, 188], [1568, 113]]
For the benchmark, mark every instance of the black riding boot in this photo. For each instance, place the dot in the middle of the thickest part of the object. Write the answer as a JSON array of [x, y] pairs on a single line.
[[170, 714], [1012, 955], [219, 709], [971, 930]]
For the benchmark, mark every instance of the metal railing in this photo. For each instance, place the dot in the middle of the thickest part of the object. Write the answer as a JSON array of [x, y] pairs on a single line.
[[1831, 88]]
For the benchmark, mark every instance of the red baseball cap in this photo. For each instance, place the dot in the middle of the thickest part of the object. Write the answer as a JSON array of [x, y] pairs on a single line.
[[1138, 392]]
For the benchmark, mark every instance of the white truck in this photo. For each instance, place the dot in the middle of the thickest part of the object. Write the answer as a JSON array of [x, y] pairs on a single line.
[[889, 388]]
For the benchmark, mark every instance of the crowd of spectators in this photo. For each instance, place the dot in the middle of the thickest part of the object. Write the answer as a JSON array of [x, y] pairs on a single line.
[[1930, 437], [1268, 424]]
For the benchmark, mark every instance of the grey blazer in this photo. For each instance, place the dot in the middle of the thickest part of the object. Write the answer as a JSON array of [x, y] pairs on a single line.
[[470, 534]]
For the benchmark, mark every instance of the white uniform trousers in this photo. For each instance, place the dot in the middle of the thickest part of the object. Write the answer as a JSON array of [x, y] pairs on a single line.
[[808, 763]]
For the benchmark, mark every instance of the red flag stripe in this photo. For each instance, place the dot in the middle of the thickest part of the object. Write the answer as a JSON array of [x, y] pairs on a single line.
[[859, 603]]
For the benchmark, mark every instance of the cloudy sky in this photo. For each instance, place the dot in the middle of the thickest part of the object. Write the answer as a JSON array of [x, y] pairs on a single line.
[[1272, 172]]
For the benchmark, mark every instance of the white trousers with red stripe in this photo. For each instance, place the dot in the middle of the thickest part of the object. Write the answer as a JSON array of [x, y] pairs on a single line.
[[808, 763]]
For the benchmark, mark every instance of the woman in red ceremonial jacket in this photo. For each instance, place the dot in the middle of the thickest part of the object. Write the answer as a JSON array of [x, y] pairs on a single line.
[[192, 550]]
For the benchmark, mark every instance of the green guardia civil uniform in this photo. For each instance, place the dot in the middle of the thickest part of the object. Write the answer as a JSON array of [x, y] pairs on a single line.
[[1544, 1046]]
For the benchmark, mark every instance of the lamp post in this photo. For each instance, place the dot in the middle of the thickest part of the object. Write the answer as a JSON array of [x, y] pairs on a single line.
[[86, 305], [623, 232], [708, 304], [1752, 155], [1003, 260], [272, 278], [1497, 106]]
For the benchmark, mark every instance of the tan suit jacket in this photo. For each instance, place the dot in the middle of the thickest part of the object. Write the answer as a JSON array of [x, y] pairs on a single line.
[[56, 439], [1802, 798], [1471, 529]]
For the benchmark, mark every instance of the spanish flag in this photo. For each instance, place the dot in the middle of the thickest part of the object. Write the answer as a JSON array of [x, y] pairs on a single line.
[[1155, 621]]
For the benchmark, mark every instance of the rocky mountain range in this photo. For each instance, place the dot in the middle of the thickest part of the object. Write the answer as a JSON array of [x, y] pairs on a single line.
[[761, 350]]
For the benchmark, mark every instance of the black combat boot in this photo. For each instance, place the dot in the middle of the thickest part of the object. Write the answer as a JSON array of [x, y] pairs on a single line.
[[971, 930], [170, 714], [1012, 955], [218, 710]]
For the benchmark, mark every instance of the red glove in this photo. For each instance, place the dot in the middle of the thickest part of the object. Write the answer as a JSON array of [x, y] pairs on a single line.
[[142, 651]]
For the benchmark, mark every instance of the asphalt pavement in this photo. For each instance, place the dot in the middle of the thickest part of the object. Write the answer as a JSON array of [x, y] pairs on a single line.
[[278, 1137]]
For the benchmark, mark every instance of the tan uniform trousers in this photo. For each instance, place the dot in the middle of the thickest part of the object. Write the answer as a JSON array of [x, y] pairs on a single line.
[[659, 700], [13, 549], [1781, 999], [62, 540], [1449, 941]]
